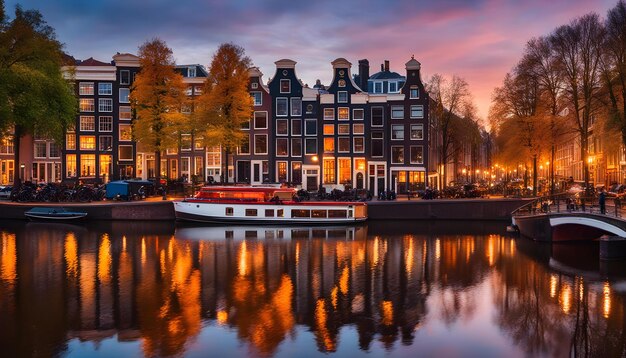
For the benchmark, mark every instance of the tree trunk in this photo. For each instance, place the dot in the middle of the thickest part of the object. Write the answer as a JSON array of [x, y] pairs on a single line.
[[552, 156], [157, 167], [17, 138], [535, 175], [585, 158]]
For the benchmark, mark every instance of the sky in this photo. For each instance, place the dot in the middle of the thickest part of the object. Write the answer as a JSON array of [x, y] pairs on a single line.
[[479, 40]]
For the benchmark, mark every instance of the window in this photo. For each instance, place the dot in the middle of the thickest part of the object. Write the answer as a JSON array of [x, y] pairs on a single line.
[[310, 127], [197, 90], [254, 85], [397, 112], [282, 127], [345, 166], [281, 147], [359, 144], [377, 116], [329, 114], [85, 88], [70, 141], [358, 114], [393, 87], [282, 171], [358, 128], [88, 165], [40, 149], [343, 145], [126, 133], [245, 125], [342, 97], [191, 72], [87, 123], [281, 106], [260, 144], [343, 114], [296, 172], [329, 129], [88, 142], [377, 144], [105, 143], [397, 132], [260, 120], [7, 146], [329, 171], [198, 164], [417, 111], [105, 88], [378, 87], [251, 212], [414, 92], [285, 86], [124, 77], [296, 106], [337, 214], [296, 127], [229, 211], [417, 154], [397, 155], [300, 213], [417, 131], [258, 98], [125, 152], [296, 147], [86, 105], [342, 83], [329, 145], [124, 93], [70, 165], [343, 129], [199, 145], [185, 142], [125, 112], [55, 151], [105, 105], [244, 148], [310, 146], [105, 124]]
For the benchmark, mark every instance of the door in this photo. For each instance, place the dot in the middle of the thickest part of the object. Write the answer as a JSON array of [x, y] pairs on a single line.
[[381, 184], [243, 171], [311, 183], [256, 173], [359, 180]]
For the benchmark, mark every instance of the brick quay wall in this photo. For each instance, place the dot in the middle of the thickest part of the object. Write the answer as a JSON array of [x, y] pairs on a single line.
[[460, 209]]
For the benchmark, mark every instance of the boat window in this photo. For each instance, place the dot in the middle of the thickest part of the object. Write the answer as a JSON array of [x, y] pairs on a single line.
[[318, 213], [251, 234], [300, 213], [299, 234], [269, 234], [280, 234], [229, 211], [337, 213], [269, 213], [229, 234], [250, 212], [280, 213], [349, 213]]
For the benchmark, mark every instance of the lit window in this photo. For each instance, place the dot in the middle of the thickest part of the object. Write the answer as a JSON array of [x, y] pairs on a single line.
[[126, 133], [70, 141], [88, 165], [329, 129], [185, 142], [329, 145], [85, 88], [417, 131], [86, 105], [88, 142], [70, 165], [329, 114], [345, 168], [358, 128], [329, 171], [343, 113], [125, 112]]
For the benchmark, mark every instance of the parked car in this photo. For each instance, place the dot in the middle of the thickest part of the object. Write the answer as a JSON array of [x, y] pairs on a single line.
[[5, 191]]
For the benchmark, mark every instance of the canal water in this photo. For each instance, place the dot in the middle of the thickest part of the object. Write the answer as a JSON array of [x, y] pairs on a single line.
[[383, 289]]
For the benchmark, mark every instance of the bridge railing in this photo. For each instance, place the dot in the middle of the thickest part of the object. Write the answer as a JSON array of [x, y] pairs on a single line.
[[565, 202]]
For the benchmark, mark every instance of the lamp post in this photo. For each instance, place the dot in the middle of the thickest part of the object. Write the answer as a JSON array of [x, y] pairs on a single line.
[[464, 171]]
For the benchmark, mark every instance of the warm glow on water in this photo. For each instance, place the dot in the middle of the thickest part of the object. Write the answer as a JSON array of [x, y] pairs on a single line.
[[378, 289]]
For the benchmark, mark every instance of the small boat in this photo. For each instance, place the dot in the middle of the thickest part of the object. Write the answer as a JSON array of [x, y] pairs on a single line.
[[53, 214], [270, 205]]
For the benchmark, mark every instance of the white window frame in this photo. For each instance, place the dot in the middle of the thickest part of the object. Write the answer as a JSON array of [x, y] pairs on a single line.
[[45, 150], [84, 86], [286, 100], [119, 152], [354, 139], [281, 120], [417, 107], [355, 117], [327, 114], [411, 157], [127, 99], [122, 72], [254, 85], [342, 97], [102, 105], [254, 98], [346, 110], [396, 109], [191, 71], [254, 115], [292, 126], [293, 141], [121, 126], [416, 88], [282, 140], [100, 141], [417, 127], [87, 100], [344, 139], [358, 125], [104, 91], [109, 124], [344, 126], [395, 89], [281, 85], [291, 106], [255, 140], [392, 131], [378, 87], [85, 125], [130, 112]]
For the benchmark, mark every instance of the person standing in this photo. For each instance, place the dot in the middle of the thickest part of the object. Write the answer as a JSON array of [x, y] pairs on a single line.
[[602, 201]]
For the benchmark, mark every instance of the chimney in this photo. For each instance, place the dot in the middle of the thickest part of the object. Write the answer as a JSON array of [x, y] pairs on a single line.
[[382, 67], [386, 65], [364, 74]]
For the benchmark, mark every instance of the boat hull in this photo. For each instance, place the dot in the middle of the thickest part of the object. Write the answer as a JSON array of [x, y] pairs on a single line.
[[269, 213]]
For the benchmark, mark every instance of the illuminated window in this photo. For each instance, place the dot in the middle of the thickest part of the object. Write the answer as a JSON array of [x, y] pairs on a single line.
[[329, 171], [329, 145], [125, 112], [70, 141], [88, 142], [345, 168], [126, 133], [185, 142], [87, 165], [329, 114], [329, 129], [86, 105], [70, 165], [358, 128], [343, 113], [87, 123], [281, 168], [417, 131]]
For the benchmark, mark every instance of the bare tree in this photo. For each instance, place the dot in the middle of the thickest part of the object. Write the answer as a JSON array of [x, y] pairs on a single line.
[[449, 97], [577, 49]]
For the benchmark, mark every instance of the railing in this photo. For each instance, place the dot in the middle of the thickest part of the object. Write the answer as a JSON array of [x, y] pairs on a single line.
[[568, 203]]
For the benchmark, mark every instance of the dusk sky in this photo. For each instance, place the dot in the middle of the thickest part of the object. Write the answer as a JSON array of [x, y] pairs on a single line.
[[479, 40]]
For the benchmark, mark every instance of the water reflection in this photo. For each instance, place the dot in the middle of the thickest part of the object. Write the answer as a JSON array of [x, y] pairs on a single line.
[[404, 288]]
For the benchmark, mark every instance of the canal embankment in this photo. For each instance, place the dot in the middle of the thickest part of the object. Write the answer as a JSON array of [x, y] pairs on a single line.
[[163, 210]]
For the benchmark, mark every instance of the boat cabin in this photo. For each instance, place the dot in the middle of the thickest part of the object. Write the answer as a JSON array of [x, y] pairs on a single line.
[[245, 194]]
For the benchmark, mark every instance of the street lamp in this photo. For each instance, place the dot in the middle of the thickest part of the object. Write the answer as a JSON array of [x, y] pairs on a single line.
[[464, 171]]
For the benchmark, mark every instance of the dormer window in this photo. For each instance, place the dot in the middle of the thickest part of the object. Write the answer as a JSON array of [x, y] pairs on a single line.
[[378, 87], [254, 85], [191, 72], [414, 92], [393, 87], [285, 86]]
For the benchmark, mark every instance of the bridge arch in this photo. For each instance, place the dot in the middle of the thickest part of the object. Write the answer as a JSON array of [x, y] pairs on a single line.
[[589, 222]]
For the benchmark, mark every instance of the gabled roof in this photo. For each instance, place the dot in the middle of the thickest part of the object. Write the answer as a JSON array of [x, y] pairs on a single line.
[[92, 62], [386, 75], [200, 70]]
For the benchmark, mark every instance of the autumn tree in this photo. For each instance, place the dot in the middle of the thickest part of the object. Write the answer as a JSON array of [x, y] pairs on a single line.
[[449, 99], [34, 95], [157, 97], [578, 49], [226, 103]]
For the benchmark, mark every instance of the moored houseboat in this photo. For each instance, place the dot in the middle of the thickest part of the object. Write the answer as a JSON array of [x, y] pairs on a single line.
[[252, 205]]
